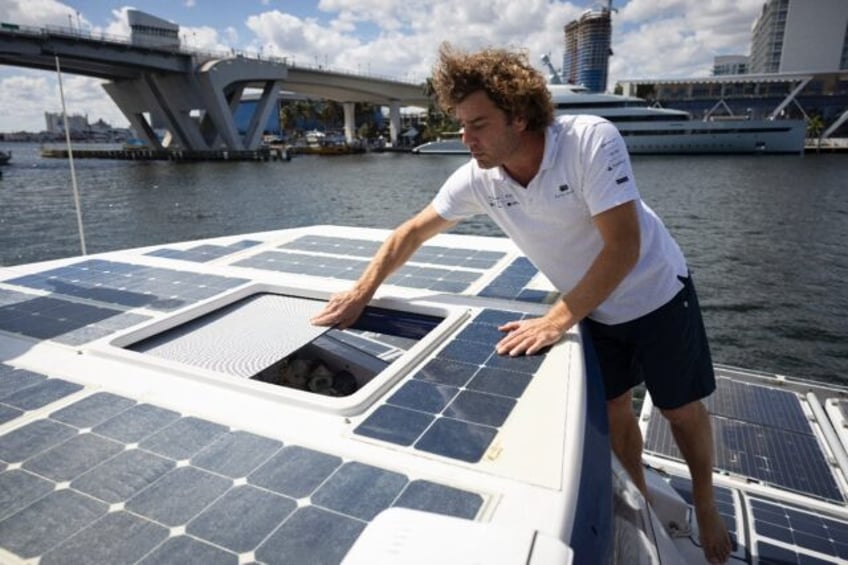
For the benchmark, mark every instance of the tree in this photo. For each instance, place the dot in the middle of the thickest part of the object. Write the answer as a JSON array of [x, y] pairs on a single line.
[[815, 126]]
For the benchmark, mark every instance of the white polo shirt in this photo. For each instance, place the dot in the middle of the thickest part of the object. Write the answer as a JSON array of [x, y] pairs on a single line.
[[585, 170]]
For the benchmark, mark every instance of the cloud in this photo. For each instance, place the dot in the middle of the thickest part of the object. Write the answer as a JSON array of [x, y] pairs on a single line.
[[400, 39], [679, 38]]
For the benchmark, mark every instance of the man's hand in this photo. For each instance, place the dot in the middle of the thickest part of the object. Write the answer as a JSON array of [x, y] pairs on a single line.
[[528, 337], [342, 310]]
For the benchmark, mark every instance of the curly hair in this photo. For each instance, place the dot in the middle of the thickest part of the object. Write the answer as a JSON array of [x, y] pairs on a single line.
[[505, 76]]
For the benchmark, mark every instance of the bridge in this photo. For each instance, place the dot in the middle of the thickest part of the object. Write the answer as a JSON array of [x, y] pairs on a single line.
[[193, 94]]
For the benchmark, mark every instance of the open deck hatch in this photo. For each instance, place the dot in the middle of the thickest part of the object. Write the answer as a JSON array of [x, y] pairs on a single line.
[[268, 337]]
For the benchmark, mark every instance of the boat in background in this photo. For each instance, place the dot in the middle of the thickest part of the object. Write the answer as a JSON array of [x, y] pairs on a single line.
[[649, 129], [5, 157], [177, 395], [448, 143]]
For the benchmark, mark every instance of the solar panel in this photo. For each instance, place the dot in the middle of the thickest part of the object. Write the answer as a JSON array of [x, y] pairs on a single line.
[[202, 253], [105, 465], [511, 284], [759, 433], [128, 285], [432, 267], [456, 403], [808, 533], [48, 317], [23, 391]]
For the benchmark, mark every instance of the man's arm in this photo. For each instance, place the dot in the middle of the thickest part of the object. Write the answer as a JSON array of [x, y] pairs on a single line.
[[344, 308], [619, 228]]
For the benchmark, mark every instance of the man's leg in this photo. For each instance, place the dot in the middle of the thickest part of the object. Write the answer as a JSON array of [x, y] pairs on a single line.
[[626, 438], [690, 425]]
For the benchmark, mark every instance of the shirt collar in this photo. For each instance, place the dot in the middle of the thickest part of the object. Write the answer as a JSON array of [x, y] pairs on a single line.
[[548, 156]]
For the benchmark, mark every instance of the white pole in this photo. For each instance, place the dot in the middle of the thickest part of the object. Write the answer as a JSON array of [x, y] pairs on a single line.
[[71, 160]]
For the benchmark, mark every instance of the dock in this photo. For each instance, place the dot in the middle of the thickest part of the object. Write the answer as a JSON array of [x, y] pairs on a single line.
[[828, 145], [181, 155]]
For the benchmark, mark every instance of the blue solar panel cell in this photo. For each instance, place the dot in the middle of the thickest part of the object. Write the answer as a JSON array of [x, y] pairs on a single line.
[[106, 541], [457, 440], [423, 396], [13, 380], [303, 538], [236, 454], [31, 439], [186, 549], [480, 408], [41, 394], [45, 523], [7, 414], [441, 499], [446, 372], [183, 438], [72, 458], [467, 351], [123, 476], [500, 382], [360, 490], [93, 410], [136, 423], [19, 489], [295, 471], [396, 425], [242, 518], [178, 496]]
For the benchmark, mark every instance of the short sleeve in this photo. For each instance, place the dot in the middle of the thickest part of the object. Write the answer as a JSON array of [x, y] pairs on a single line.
[[456, 199], [608, 179]]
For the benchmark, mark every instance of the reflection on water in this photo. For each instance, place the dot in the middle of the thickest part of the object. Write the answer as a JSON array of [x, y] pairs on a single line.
[[764, 235]]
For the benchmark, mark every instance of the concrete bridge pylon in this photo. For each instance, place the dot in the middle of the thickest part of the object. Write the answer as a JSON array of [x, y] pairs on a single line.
[[198, 107]]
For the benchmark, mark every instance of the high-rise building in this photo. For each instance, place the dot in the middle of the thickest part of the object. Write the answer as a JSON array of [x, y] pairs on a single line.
[[800, 36], [587, 49]]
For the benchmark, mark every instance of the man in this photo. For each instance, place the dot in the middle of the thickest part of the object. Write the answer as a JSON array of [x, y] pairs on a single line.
[[564, 192]]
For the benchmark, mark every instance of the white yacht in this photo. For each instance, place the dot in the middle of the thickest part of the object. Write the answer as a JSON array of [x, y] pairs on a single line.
[[647, 129], [172, 404]]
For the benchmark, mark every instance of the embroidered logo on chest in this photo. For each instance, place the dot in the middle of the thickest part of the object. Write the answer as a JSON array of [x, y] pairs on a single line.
[[503, 201], [563, 190]]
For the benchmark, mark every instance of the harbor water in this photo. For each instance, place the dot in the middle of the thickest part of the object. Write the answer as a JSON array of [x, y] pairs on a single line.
[[766, 237]]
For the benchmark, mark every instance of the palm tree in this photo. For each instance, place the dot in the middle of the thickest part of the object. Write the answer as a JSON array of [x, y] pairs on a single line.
[[815, 126]]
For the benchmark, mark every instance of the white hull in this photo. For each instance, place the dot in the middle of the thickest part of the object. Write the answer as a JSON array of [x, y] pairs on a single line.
[[693, 137], [139, 400], [649, 130]]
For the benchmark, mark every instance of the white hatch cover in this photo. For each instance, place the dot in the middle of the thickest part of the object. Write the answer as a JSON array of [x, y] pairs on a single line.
[[242, 338]]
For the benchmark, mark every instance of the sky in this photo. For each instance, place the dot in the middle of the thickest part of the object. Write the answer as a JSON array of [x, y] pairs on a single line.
[[391, 38]]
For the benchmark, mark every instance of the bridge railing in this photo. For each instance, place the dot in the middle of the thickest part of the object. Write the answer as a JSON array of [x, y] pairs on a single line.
[[49, 31]]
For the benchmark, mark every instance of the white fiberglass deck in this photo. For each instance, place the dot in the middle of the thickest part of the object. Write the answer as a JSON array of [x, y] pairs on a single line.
[[139, 422]]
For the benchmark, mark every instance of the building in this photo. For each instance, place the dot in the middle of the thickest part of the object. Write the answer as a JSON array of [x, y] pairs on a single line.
[[55, 122], [730, 65], [823, 95], [587, 50], [792, 36]]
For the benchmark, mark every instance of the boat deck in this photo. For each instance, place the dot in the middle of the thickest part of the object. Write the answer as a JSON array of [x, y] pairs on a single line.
[[141, 419]]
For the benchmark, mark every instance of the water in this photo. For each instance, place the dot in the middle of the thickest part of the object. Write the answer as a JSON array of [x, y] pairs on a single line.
[[764, 235]]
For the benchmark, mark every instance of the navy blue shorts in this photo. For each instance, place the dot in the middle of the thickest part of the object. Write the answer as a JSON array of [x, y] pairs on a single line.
[[666, 349]]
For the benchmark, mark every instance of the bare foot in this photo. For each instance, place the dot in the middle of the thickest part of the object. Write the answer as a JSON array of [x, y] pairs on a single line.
[[714, 538]]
